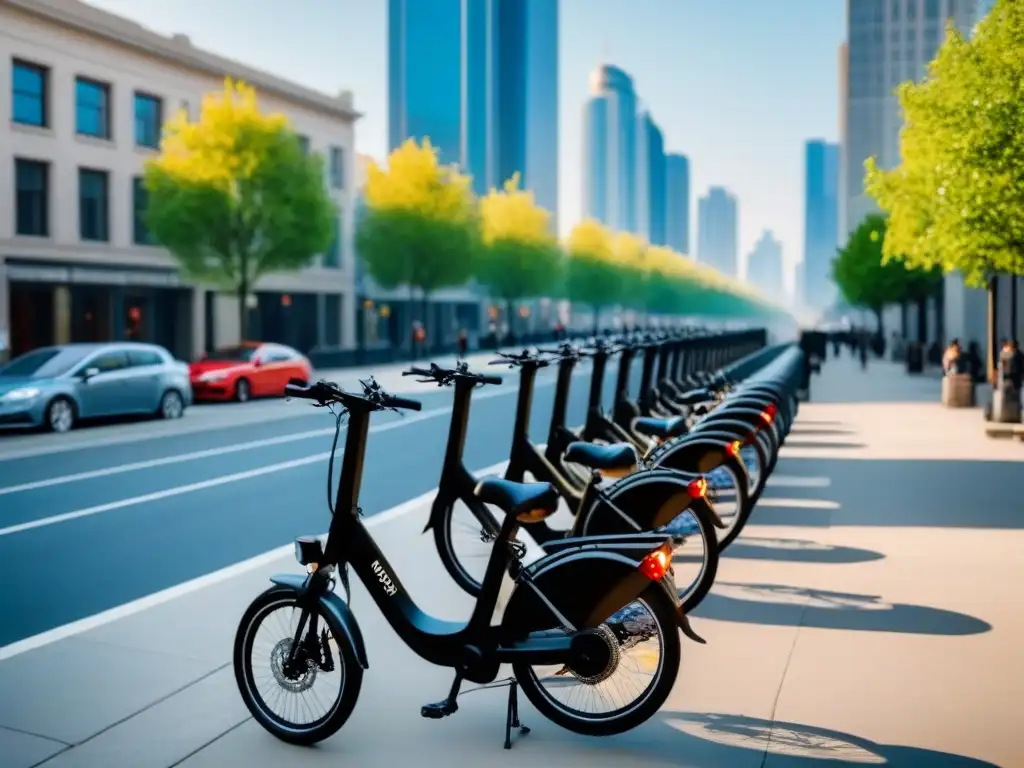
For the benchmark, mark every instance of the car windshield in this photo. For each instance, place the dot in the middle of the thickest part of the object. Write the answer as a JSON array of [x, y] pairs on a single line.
[[239, 354], [44, 363]]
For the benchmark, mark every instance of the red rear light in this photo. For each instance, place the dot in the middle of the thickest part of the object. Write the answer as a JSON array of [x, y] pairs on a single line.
[[657, 563], [751, 438], [733, 448], [698, 488], [768, 414]]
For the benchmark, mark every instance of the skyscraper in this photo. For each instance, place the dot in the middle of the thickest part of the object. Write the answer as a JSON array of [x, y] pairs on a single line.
[[677, 203], [888, 42], [610, 150], [717, 231], [527, 97], [480, 80], [764, 267], [650, 165], [821, 222]]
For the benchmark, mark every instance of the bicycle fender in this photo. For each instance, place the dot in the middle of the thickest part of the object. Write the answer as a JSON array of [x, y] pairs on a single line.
[[580, 586], [332, 604], [695, 454]]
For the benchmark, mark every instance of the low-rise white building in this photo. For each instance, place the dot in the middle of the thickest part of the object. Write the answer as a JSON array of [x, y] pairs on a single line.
[[88, 92]]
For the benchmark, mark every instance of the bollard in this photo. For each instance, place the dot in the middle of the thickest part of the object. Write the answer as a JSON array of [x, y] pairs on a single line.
[[1006, 392], [958, 390]]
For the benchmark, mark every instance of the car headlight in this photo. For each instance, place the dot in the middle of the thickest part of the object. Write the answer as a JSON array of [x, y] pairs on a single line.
[[25, 393], [213, 376]]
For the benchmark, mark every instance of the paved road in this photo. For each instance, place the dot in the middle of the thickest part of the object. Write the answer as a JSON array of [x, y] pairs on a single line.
[[106, 515]]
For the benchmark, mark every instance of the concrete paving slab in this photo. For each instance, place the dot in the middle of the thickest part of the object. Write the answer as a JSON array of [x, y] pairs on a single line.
[[24, 750], [74, 689], [167, 732]]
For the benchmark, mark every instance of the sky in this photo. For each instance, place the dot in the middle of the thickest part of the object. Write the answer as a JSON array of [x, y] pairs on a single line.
[[737, 85]]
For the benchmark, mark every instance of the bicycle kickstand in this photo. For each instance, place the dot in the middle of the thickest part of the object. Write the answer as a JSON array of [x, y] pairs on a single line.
[[512, 716]]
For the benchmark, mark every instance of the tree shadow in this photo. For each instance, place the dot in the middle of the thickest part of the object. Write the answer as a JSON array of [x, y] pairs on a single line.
[[797, 551], [790, 443], [789, 606], [740, 740], [799, 431]]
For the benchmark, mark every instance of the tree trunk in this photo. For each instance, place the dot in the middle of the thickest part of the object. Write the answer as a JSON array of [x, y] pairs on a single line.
[[510, 317], [922, 320], [1013, 308], [881, 323], [243, 310], [904, 321], [992, 354]]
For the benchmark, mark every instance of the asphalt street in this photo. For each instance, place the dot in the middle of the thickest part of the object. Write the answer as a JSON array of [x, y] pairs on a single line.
[[122, 512]]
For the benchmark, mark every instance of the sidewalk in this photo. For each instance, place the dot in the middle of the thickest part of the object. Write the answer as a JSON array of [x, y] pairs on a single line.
[[870, 614]]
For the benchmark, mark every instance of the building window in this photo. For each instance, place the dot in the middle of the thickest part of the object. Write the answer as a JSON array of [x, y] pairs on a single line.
[[148, 120], [337, 168], [92, 108], [896, 9], [304, 144], [931, 10], [29, 94], [333, 256], [93, 205], [32, 198], [140, 205]]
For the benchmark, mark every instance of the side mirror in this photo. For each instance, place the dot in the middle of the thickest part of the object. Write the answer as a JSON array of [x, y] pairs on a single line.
[[256, 362], [88, 373]]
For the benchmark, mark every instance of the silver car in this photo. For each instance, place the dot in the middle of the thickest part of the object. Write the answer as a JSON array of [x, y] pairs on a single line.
[[56, 387]]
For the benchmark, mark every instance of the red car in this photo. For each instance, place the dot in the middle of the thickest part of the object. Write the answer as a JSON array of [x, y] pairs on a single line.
[[248, 370]]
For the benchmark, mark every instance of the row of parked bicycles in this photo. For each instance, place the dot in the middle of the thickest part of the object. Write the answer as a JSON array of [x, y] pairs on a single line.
[[588, 615]]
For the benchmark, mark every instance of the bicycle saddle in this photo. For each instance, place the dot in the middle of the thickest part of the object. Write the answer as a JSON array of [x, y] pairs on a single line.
[[663, 429], [533, 501], [621, 456]]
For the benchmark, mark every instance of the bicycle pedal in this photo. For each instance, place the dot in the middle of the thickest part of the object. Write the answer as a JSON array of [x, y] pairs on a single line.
[[439, 709]]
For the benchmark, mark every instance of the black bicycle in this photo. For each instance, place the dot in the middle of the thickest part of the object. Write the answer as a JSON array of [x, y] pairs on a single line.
[[571, 621], [651, 500]]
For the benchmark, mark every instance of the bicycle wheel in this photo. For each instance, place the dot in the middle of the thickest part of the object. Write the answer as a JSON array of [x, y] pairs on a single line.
[[643, 635], [695, 553], [278, 688], [464, 543]]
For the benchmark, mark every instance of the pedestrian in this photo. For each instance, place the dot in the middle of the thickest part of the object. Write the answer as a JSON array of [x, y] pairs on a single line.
[[972, 363], [951, 358], [862, 349], [463, 342]]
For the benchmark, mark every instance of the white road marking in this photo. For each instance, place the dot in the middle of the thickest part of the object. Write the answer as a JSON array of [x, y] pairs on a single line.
[[410, 418], [202, 582], [199, 486], [790, 481], [794, 503]]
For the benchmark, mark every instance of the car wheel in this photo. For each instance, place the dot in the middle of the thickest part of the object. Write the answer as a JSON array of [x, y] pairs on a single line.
[[60, 415], [171, 405], [242, 391]]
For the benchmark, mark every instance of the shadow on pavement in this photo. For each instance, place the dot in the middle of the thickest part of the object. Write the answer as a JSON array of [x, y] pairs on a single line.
[[799, 431], [797, 551], [820, 423], [726, 740], [788, 606], [904, 492], [790, 443]]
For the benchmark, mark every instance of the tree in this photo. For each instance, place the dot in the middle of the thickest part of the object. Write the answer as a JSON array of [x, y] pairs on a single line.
[[955, 201], [420, 224], [519, 257], [864, 276], [234, 197], [629, 251], [593, 276]]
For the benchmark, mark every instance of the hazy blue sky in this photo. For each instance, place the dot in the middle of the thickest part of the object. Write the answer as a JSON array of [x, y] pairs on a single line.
[[738, 85]]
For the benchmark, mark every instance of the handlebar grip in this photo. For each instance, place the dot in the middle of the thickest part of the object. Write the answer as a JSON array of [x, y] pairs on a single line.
[[491, 379], [417, 372], [403, 403], [297, 390]]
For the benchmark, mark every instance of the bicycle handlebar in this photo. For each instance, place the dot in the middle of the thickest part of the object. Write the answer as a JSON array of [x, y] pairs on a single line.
[[327, 392], [445, 376]]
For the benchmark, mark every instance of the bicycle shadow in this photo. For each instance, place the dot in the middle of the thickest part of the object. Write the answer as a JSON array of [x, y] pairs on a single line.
[[797, 551], [739, 740], [789, 606], [799, 430], [791, 443]]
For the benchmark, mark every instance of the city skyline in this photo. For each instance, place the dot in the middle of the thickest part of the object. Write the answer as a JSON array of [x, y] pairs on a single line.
[[765, 270], [717, 228], [708, 72], [821, 224]]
